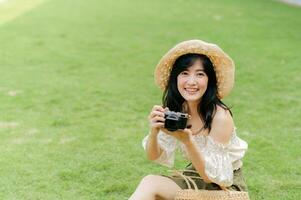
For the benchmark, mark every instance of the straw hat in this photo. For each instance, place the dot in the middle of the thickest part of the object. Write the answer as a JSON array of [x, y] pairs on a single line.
[[223, 65]]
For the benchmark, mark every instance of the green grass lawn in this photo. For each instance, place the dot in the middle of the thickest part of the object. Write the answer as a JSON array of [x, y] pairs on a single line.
[[76, 86]]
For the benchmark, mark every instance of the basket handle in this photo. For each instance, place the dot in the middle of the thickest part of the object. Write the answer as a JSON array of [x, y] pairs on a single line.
[[189, 181]]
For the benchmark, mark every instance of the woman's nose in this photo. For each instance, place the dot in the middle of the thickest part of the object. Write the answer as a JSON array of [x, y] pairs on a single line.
[[191, 80]]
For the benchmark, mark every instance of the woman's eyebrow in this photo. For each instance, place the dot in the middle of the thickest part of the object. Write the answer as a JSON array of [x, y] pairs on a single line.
[[196, 70]]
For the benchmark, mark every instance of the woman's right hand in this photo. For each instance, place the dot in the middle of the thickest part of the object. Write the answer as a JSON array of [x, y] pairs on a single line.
[[156, 118]]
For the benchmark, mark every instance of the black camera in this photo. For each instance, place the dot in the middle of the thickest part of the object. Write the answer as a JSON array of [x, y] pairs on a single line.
[[175, 120]]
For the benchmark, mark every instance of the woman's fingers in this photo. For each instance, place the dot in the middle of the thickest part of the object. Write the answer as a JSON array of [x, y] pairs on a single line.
[[156, 116], [187, 130], [158, 108], [158, 119], [156, 113]]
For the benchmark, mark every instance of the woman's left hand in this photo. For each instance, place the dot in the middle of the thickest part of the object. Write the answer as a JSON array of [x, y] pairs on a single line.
[[185, 136]]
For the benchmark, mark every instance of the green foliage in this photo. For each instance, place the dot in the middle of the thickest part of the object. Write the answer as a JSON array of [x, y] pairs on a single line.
[[76, 86]]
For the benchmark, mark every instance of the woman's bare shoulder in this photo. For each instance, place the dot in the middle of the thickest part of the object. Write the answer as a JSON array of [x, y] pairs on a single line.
[[222, 125], [222, 114]]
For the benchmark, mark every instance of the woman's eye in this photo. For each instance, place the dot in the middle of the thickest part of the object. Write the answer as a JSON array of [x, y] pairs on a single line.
[[201, 74], [184, 73]]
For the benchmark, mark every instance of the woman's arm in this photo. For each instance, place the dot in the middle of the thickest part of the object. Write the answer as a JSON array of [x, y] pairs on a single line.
[[196, 159], [156, 121], [153, 150], [221, 132]]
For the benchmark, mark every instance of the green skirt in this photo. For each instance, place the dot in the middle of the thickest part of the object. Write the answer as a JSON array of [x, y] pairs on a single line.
[[239, 183]]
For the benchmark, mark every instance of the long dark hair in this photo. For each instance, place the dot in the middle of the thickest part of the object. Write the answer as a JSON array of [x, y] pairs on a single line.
[[207, 107]]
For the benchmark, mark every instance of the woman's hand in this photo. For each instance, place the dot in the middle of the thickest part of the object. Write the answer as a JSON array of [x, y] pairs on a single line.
[[156, 118], [185, 136]]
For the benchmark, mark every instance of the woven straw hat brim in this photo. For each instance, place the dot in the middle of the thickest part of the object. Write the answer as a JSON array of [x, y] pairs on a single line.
[[223, 65]]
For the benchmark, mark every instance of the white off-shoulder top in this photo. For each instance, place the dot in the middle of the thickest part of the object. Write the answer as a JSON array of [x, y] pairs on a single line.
[[220, 159]]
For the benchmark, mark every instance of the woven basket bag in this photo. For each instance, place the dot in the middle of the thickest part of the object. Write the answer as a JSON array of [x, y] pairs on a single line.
[[196, 194]]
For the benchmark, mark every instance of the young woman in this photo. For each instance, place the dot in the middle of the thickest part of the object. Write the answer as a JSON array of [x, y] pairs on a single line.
[[195, 76]]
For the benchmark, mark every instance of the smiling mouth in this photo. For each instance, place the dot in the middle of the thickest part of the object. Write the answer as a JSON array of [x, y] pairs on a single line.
[[191, 90]]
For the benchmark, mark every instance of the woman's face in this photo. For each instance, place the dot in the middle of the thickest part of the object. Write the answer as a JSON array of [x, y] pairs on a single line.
[[192, 83]]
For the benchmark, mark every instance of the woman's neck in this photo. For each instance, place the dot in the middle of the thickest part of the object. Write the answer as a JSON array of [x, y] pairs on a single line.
[[192, 108]]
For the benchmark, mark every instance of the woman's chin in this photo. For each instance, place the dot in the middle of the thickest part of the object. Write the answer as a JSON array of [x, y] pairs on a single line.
[[191, 98]]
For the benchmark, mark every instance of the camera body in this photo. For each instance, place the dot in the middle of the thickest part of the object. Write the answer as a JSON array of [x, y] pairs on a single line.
[[175, 120]]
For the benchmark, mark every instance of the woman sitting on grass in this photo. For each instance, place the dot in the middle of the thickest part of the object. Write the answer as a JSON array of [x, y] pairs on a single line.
[[195, 76]]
